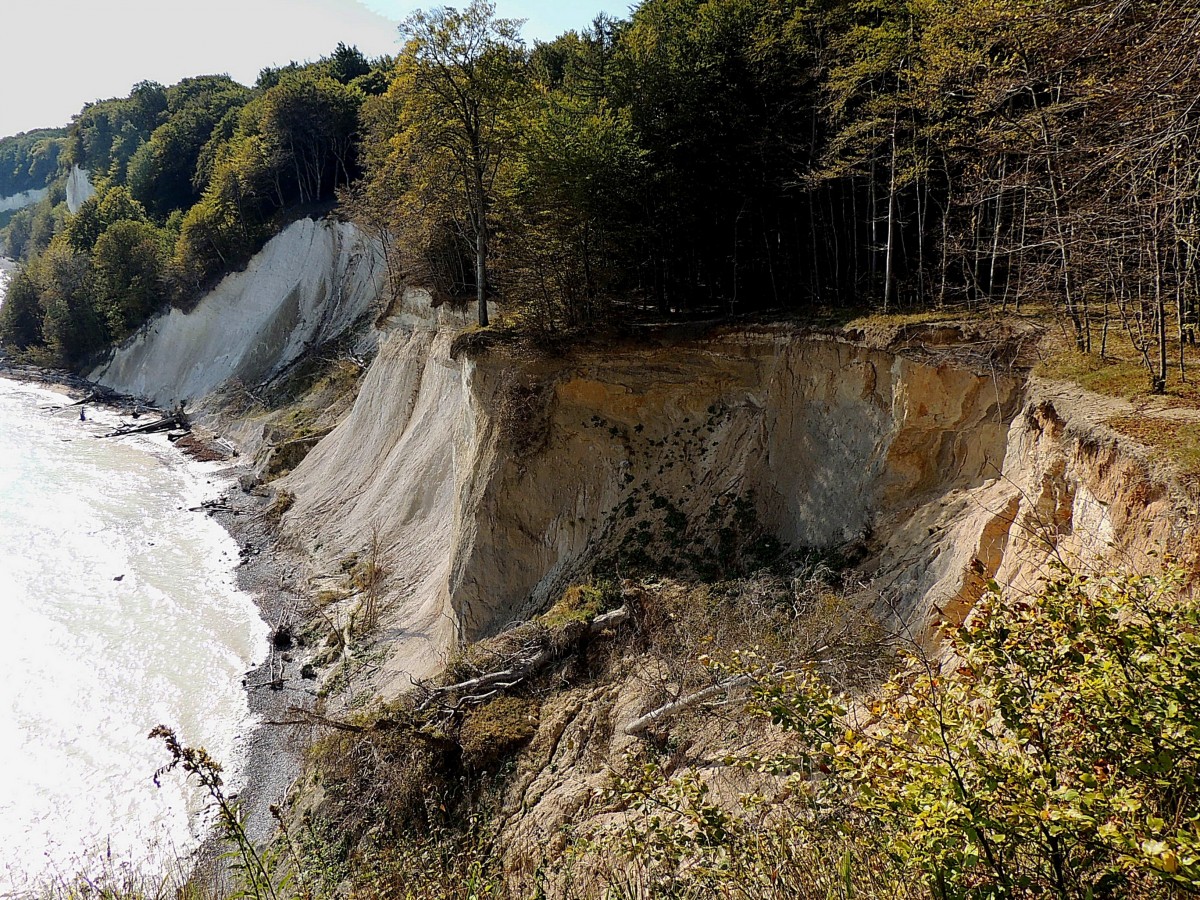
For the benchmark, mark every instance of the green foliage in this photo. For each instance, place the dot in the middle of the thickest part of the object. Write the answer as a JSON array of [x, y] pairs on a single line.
[[1054, 753], [72, 328], [560, 253], [95, 282], [104, 136], [579, 603], [29, 161], [100, 211], [705, 157], [162, 173], [191, 181], [493, 731], [21, 314], [294, 143], [347, 64], [129, 266], [442, 138], [307, 124], [30, 230]]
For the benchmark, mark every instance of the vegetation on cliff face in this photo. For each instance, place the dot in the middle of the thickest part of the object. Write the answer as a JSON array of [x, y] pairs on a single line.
[[707, 158], [1051, 752], [29, 161]]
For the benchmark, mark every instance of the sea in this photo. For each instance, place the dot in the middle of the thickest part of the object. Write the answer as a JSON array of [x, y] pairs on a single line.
[[119, 611]]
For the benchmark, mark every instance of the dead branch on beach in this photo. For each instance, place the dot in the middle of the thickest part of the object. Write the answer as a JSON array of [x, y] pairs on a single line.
[[300, 716], [169, 422]]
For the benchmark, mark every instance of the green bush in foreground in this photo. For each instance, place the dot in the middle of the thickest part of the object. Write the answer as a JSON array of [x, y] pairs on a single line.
[[1054, 754]]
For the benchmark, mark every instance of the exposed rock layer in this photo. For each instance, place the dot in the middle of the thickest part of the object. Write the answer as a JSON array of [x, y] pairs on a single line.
[[79, 189], [489, 484], [492, 484], [23, 199], [484, 486]]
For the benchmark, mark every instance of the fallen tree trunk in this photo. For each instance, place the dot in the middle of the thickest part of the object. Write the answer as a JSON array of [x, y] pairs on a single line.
[[301, 716], [519, 670], [509, 677], [637, 726], [166, 423]]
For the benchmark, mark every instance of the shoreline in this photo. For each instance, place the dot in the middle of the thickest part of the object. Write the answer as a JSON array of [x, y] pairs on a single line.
[[273, 755]]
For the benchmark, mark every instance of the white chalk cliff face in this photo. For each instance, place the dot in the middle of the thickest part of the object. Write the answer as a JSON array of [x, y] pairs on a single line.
[[949, 476], [22, 200], [491, 484], [79, 189], [396, 466], [308, 285]]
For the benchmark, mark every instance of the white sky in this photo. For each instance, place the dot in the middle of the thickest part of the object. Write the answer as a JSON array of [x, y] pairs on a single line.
[[56, 55]]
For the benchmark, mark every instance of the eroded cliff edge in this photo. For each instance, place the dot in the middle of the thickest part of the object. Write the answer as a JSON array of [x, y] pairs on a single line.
[[488, 482], [448, 495], [492, 483]]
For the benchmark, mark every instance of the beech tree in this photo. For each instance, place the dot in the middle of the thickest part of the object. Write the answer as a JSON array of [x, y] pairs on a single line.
[[459, 81], [20, 314]]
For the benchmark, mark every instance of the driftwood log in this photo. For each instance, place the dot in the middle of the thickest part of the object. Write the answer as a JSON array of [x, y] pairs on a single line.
[[300, 716], [168, 422]]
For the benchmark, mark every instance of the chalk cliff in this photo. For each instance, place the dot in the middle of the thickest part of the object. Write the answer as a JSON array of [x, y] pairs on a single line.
[[309, 284], [20, 201], [475, 486], [489, 483], [79, 189]]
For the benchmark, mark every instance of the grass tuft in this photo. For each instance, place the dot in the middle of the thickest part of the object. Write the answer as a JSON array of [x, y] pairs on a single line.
[[1180, 441]]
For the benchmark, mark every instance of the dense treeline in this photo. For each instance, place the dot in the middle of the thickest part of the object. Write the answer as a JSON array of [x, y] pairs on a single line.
[[719, 156], [29, 161], [190, 181], [708, 157]]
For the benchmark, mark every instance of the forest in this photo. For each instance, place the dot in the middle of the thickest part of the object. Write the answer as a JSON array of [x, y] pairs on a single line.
[[29, 161], [699, 159]]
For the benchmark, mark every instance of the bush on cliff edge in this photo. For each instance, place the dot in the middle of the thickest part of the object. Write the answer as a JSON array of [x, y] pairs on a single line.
[[1054, 753]]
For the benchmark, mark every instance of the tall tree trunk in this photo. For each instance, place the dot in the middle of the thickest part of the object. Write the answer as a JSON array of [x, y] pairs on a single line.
[[890, 260], [481, 237], [1060, 228], [481, 265], [996, 229], [873, 224], [1159, 383]]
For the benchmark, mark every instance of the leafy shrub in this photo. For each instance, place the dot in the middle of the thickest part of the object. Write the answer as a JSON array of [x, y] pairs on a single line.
[[1055, 753], [579, 603]]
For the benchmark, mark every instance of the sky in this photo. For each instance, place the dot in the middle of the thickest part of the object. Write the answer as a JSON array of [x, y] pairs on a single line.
[[56, 55]]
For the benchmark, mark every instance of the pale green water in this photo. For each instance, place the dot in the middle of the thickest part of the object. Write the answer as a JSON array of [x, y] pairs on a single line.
[[90, 663]]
